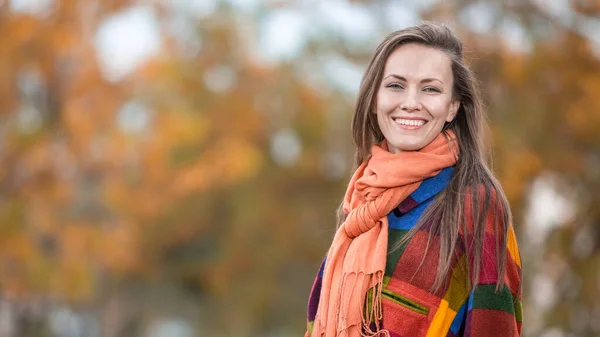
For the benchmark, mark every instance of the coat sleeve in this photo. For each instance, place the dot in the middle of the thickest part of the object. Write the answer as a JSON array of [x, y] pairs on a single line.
[[313, 300], [492, 312]]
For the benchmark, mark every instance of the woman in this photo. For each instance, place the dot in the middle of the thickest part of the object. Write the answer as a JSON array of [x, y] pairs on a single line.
[[425, 244]]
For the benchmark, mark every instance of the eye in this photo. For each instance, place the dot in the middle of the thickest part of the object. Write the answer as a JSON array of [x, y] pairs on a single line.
[[395, 86], [432, 89]]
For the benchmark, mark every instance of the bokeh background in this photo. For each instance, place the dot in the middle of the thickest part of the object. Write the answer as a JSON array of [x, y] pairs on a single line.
[[172, 168]]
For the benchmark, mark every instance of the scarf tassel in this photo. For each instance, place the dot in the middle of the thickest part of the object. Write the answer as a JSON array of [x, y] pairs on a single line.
[[372, 314]]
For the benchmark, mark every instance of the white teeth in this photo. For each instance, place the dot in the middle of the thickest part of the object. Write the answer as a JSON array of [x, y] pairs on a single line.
[[410, 122]]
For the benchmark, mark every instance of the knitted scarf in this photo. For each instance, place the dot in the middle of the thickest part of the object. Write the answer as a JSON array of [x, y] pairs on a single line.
[[356, 259]]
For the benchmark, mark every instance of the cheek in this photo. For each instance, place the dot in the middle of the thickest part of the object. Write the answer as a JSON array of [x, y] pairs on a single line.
[[384, 101], [438, 108]]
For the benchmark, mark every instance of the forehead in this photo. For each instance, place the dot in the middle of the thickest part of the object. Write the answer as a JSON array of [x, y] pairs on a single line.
[[418, 61]]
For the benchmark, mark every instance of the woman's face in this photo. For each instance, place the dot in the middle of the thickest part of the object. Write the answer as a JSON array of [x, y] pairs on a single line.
[[414, 99]]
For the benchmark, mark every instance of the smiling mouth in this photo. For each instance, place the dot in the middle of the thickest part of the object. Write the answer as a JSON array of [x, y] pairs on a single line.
[[409, 124]]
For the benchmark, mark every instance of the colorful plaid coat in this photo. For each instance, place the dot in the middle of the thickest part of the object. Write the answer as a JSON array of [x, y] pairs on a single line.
[[411, 310]]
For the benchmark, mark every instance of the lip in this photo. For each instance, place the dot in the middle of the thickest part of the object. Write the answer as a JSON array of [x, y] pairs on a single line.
[[409, 118], [409, 127]]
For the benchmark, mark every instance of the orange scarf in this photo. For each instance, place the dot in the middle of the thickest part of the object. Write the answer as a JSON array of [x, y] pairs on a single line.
[[356, 259]]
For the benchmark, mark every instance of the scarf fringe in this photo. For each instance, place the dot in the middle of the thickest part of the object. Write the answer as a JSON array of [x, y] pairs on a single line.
[[371, 315]]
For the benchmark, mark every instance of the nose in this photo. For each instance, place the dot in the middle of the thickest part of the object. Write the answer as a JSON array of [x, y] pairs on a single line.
[[411, 102]]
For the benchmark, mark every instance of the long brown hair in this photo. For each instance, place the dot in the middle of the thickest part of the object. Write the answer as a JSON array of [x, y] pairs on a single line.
[[472, 176]]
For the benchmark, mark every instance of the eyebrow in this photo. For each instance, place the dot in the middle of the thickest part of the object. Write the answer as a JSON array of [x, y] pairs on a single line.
[[425, 80]]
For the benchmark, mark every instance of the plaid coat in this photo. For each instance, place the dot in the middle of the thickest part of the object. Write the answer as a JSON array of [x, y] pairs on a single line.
[[411, 310]]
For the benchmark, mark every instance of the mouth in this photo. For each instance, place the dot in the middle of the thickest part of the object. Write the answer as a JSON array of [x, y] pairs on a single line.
[[409, 124]]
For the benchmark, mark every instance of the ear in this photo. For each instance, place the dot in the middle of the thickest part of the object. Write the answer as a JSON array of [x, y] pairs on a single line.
[[453, 110]]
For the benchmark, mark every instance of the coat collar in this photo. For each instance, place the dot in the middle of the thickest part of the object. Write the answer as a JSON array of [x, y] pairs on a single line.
[[428, 188]]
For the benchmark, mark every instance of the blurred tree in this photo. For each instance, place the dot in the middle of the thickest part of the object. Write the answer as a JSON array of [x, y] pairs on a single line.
[[56, 111], [205, 194], [242, 224]]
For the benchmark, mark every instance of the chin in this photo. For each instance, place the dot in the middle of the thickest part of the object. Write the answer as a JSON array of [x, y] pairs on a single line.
[[403, 146]]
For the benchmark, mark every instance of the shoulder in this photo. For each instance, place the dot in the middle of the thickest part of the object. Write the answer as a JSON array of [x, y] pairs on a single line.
[[485, 205], [482, 193], [491, 239]]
